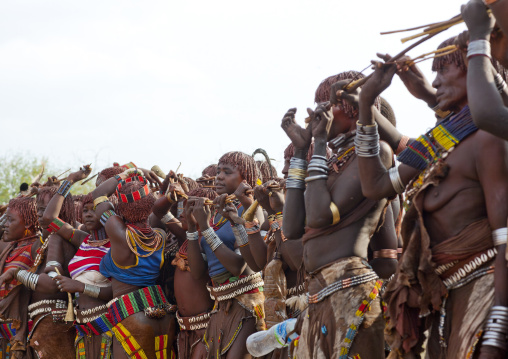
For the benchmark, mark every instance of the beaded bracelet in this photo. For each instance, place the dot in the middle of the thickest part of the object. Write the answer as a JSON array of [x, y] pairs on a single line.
[[64, 188], [129, 165], [192, 236], [500, 83], [99, 200], [211, 238], [55, 225], [240, 234], [252, 227], [106, 215], [72, 235]]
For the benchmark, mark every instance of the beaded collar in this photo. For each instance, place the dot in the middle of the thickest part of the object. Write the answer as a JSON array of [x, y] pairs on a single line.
[[98, 238], [431, 146]]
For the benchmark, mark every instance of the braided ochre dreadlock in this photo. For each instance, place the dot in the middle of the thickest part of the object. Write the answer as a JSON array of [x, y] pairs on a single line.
[[245, 165], [27, 209]]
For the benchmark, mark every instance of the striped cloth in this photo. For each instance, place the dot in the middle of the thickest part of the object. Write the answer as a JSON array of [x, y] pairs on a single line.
[[19, 257], [87, 258]]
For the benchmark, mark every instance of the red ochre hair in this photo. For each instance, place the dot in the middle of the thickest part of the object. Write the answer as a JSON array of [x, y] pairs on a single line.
[[27, 209], [245, 165], [137, 211]]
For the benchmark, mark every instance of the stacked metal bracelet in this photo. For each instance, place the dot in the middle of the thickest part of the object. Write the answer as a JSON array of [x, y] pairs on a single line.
[[500, 84], [64, 189], [496, 329], [92, 290], [29, 279], [240, 234], [318, 164], [167, 218], [211, 238], [397, 183], [500, 236], [478, 48], [192, 236], [366, 140], [296, 173]]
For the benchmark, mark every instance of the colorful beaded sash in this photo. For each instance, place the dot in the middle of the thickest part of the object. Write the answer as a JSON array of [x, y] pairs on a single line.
[[430, 147], [136, 302], [98, 326], [7, 331], [132, 348]]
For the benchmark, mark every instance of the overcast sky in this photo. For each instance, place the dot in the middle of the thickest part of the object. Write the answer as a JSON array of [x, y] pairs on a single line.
[[163, 82]]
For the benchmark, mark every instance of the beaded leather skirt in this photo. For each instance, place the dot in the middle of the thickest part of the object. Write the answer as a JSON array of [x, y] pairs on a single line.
[[345, 319]]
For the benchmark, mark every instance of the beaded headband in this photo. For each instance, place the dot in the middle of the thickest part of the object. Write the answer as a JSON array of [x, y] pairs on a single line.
[[136, 195]]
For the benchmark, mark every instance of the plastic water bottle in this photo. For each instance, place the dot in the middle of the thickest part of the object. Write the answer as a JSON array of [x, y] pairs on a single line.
[[266, 341]]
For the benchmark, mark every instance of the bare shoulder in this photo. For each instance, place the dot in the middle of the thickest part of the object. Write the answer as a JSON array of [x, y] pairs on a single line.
[[486, 144], [386, 154]]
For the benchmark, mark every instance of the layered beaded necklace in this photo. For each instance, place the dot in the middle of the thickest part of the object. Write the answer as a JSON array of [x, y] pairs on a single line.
[[98, 238], [135, 236], [344, 145]]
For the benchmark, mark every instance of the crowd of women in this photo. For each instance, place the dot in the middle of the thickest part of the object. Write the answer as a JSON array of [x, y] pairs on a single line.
[[366, 257]]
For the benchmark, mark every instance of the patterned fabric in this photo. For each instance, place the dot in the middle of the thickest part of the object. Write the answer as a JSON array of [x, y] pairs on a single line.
[[87, 258], [136, 302], [105, 349], [19, 257], [98, 326]]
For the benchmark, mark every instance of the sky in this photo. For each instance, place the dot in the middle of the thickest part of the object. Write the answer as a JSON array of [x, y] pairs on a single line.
[[169, 82]]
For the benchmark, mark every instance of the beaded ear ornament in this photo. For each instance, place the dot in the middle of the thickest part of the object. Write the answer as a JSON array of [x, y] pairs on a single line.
[[133, 196]]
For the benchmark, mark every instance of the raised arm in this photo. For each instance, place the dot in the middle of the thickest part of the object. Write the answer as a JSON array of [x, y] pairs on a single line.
[[374, 176], [161, 209], [486, 104], [50, 216], [293, 224], [197, 264]]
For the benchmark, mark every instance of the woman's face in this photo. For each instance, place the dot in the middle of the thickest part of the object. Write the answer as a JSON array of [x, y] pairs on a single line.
[[14, 227], [228, 179], [90, 219]]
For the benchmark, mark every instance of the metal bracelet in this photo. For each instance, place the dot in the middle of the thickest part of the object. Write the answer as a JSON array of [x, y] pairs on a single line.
[[240, 234], [167, 218], [192, 236], [318, 169], [53, 264], [500, 236], [92, 290], [211, 238], [52, 274], [254, 229], [298, 163], [397, 183], [315, 178], [295, 183], [478, 47]]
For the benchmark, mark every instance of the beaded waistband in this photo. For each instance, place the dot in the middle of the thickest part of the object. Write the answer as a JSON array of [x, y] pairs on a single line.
[[234, 289], [137, 301], [193, 323], [453, 272], [93, 321], [57, 307], [342, 284]]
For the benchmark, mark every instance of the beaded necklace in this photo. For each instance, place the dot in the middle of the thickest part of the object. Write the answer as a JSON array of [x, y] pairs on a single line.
[[429, 151], [135, 236], [98, 238], [41, 252], [346, 151]]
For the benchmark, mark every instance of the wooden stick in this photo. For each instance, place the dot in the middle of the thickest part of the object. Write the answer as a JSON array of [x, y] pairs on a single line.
[[89, 179], [206, 179], [213, 187], [428, 26], [353, 86], [431, 31], [69, 316], [61, 174]]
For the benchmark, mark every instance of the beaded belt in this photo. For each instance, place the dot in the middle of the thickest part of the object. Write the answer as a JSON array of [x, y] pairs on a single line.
[[193, 323], [93, 321], [234, 289], [455, 271], [342, 284], [151, 300], [56, 307]]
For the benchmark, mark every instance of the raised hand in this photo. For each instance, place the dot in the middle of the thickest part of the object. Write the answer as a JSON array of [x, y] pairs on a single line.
[[201, 213], [478, 21], [300, 137], [83, 173], [380, 80], [338, 92], [322, 119]]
